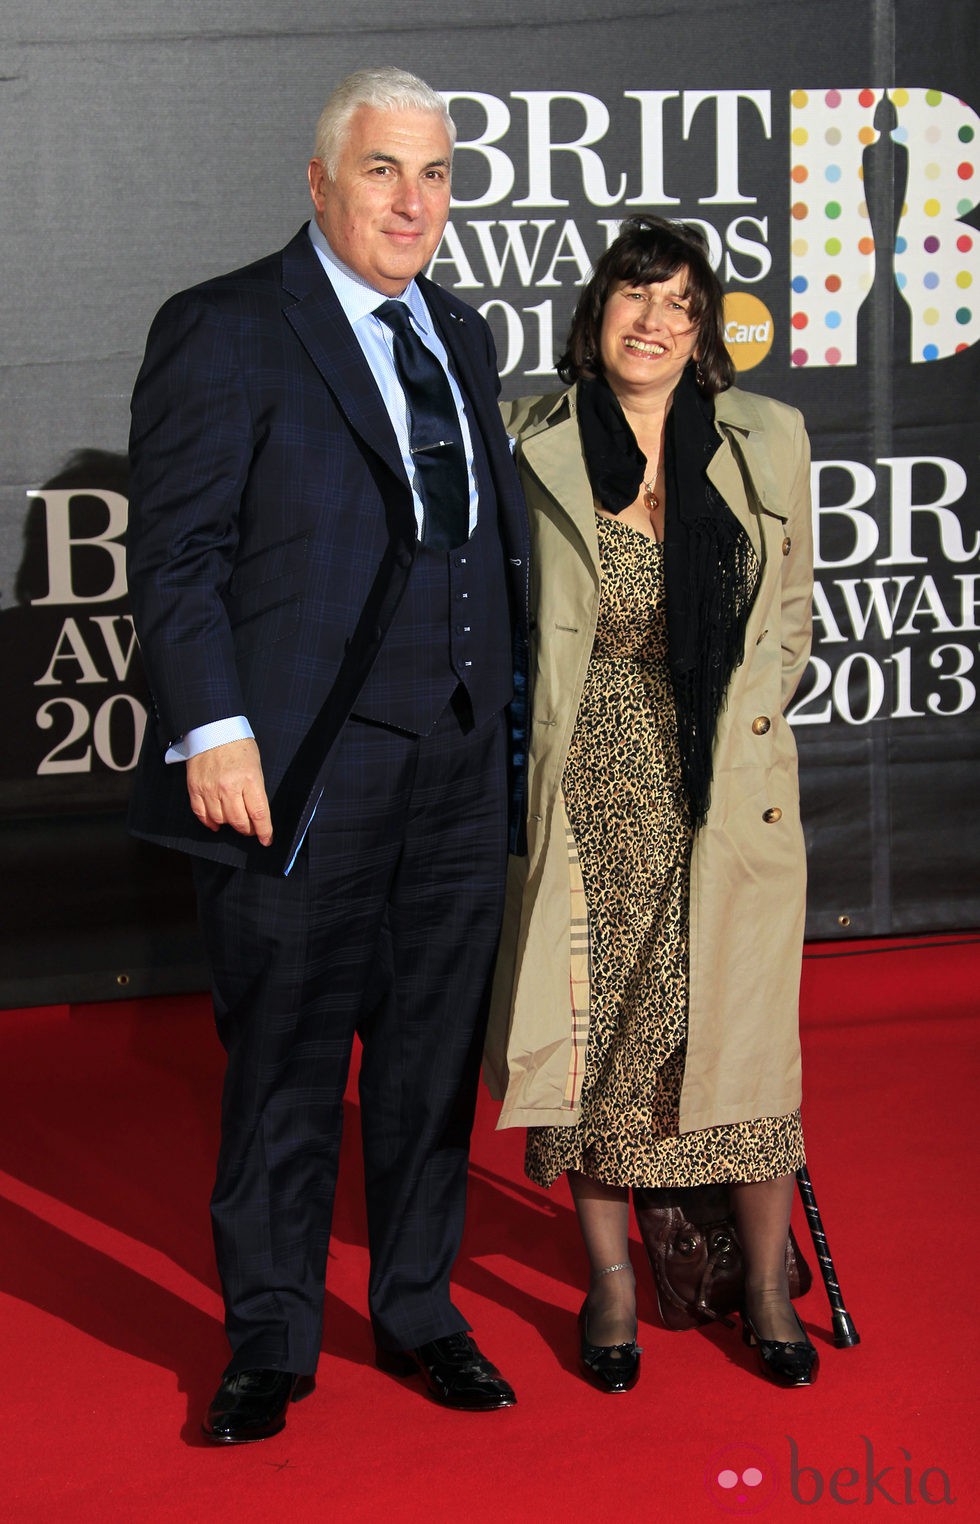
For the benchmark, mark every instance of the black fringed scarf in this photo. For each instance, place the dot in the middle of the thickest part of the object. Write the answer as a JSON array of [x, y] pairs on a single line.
[[710, 567]]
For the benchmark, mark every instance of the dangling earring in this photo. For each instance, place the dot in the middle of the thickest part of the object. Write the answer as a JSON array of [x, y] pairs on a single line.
[[699, 375]]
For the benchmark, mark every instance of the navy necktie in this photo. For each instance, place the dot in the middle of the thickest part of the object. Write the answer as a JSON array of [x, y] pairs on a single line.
[[435, 436]]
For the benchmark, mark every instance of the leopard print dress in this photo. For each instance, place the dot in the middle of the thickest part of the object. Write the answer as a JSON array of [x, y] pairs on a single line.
[[628, 816]]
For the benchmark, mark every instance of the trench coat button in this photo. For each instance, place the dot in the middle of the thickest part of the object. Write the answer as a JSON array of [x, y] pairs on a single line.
[[787, 545], [773, 814], [760, 725]]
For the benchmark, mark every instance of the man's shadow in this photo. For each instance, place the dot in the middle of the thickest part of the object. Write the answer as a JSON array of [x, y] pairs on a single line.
[[111, 1112], [110, 1137]]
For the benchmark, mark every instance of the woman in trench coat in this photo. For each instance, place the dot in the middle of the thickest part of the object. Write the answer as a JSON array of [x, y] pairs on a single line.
[[653, 456]]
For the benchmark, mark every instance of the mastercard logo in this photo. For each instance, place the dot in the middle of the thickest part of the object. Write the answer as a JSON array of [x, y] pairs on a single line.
[[748, 331]]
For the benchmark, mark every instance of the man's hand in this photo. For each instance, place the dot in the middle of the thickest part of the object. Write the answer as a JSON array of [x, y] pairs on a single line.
[[226, 787]]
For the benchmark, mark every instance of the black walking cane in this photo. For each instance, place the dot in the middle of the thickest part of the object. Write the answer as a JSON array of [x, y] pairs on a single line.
[[845, 1334]]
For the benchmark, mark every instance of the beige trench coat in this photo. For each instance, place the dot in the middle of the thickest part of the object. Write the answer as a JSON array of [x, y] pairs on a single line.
[[748, 869]]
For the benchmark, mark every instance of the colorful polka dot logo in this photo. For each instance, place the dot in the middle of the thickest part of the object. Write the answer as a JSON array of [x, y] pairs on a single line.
[[833, 261], [741, 1479]]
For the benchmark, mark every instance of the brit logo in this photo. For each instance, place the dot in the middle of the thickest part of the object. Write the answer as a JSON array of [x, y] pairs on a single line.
[[920, 147]]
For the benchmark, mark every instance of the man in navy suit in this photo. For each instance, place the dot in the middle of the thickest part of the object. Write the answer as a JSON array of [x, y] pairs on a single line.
[[331, 687]]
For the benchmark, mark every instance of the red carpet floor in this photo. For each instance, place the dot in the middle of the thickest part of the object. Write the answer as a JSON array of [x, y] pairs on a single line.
[[110, 1319]]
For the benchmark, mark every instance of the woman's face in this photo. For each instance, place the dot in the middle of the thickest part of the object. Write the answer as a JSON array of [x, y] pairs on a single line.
[[647, 336]]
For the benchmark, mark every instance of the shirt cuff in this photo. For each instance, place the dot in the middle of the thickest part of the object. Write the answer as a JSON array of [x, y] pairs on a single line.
[[206, 737]]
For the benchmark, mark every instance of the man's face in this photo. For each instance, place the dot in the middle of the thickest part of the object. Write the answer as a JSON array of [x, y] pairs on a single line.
[[384, 213]]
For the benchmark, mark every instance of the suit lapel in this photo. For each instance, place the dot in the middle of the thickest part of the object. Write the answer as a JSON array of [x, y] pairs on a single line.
[[461, 332], [452, 321], [311, 308], [475, 376]]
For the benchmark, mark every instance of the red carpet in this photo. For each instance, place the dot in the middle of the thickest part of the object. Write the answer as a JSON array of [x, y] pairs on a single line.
[[111, 1331]]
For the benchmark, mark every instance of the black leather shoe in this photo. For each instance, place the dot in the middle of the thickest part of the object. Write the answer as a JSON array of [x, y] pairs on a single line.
[[455, 1371], [787, 1363], [251, 1405], [610, 1367]]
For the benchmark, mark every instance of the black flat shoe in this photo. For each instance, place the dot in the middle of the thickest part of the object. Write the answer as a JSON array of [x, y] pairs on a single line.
[[787, 1363], [610, 1367], [250, 1405], [455, 1371]]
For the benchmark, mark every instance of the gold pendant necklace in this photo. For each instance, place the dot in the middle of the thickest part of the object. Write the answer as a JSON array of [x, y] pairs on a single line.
[[651, 501]]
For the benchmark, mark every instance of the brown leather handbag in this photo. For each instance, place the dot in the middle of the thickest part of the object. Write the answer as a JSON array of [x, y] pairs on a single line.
[[690, 1237]]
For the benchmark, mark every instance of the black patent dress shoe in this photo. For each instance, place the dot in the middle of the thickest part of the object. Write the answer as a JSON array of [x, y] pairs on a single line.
[[786, 1362], [455, 1371], [250, 1405], [610, 1367]]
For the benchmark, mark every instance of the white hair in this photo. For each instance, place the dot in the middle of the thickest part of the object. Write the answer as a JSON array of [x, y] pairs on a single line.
[[382, 90]]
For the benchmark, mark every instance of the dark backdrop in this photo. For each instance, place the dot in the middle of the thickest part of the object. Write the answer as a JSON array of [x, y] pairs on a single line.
[[829, 147]]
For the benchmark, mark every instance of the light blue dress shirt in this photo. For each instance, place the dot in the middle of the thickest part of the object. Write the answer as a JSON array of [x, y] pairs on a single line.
[[359, 300]]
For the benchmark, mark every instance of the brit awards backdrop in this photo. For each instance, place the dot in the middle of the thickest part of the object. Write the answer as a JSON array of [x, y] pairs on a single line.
[[830, 150]]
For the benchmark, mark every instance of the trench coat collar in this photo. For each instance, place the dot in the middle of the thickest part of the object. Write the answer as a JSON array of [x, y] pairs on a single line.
[[553, 450], [743, 463]]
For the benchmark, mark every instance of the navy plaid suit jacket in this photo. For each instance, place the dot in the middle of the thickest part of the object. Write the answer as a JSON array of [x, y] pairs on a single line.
[[272, 529]]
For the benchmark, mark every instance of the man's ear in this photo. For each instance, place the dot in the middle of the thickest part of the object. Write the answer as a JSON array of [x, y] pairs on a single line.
[[317, 176]]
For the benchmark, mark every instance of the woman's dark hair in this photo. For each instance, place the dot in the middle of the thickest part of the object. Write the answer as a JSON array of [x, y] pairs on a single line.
[[649, 250]]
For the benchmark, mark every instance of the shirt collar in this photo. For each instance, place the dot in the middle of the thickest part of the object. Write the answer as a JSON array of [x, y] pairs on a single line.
[[356, 296]]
